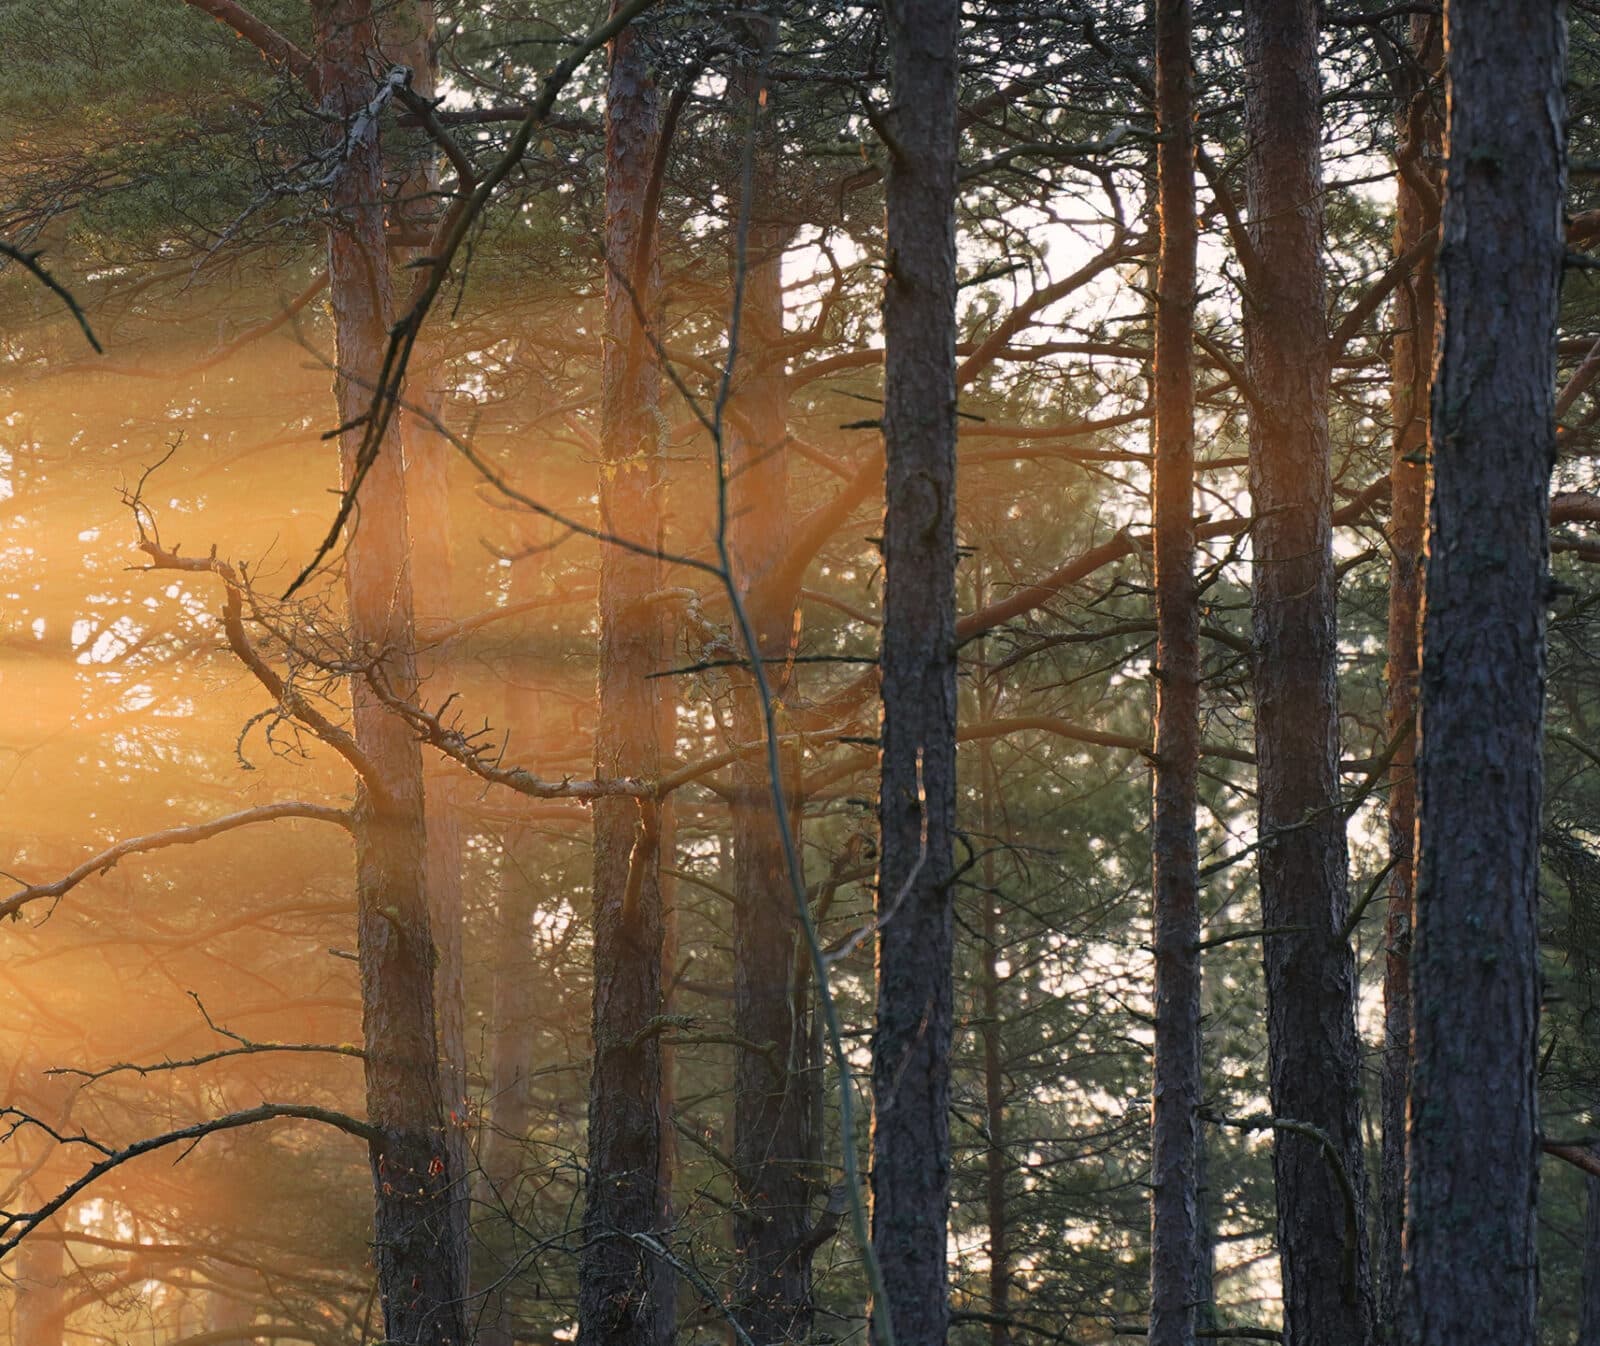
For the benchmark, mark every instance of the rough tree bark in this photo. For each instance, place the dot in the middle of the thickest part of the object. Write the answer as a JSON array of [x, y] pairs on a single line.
[[1175, 1095], [1473, 1136], [1411, 372], [409, 34], [1589, 1307], [916, 809], [420, 1263], [623, 1297], [1313, 1050], [772, 1107], [1205, 1281]]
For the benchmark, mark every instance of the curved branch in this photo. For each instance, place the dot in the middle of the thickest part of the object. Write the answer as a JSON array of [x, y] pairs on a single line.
[[24, 1221], [174, 836], [293, 704], [29, 261]]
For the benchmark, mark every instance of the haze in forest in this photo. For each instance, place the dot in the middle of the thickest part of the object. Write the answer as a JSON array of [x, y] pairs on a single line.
[[858, 673]]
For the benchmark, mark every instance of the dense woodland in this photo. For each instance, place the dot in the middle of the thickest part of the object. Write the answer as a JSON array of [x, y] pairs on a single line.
[[535, 809]]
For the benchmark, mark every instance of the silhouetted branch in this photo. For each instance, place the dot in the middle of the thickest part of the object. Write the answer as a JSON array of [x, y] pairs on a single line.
[[29, 261], [23, 1221]]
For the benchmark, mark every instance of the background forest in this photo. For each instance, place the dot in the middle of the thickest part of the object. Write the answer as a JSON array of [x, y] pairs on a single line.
[[227, 681]]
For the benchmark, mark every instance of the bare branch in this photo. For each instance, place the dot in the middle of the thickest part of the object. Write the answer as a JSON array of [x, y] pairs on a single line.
[[24, 1221], [462, 747], [453, 230], [29, 261], [249, 1049], [174, 836]]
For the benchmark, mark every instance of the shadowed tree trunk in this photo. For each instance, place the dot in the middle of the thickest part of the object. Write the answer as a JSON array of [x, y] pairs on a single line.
[[420, 1262], [1470, 1270], [1314, 1055], [1175, 1096], [623, 1297], [1589, 1308], [916, 810], [1205, 1280], [1411, 371], [772, 1107], [409, 33]]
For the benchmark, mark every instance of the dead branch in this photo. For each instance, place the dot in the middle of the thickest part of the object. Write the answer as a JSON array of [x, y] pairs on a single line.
[[173, 836], [24, 1221]]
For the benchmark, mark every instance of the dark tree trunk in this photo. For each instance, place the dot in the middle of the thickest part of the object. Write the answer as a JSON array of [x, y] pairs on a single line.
[[1205, 1279], [1411, 371], [911, 1047], [771, 1109], [1474, 1127], [1175, 1096], [624, 1291], [419, 1261], [1589, 1309], [1313, 1050]]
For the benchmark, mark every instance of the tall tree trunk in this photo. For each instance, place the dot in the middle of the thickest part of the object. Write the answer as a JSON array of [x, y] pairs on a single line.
[[916, 809], [1314, 1053], [1175, 884], [1470, 1241], [622, 1291], [419, 1261], [1589, 1307], [513, 997], [771, 1113], [1205, 1279], [1411, 371], [771, 1110], [410, 33]]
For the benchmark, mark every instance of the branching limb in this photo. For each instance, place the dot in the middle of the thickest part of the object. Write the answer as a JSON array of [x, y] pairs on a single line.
[[237, 589], [250, 1049], [15, 1225], [1580, 1156], [172, 836], [455, 743], [452, 234], [1372, 299], [1212, 1333], [1330, 1151]]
